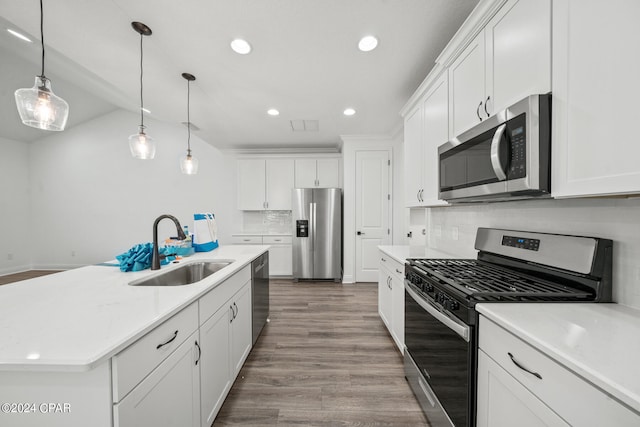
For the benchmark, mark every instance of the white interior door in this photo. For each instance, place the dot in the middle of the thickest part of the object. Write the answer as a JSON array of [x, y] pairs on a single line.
[[372, 211]]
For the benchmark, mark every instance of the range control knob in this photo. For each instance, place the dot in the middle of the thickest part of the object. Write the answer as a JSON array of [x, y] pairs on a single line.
[[428, 287]]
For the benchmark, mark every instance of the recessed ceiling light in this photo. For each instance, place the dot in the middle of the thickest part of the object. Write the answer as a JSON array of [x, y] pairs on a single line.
[[146, 111], [367, 43], [273, 112], [19, 35], [349, 112], [240, 46]]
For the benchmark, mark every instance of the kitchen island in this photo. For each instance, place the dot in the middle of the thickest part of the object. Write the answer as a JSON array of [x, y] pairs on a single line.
[[71, 352]]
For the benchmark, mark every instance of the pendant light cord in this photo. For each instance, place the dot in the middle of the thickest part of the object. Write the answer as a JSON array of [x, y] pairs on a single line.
[[42, 38], [141, 99], [188, 117]]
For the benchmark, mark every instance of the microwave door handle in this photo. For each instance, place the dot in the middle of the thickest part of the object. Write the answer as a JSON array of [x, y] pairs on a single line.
[[495, 153]]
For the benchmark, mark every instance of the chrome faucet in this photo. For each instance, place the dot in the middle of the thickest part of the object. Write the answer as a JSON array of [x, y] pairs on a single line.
[[155, 257]]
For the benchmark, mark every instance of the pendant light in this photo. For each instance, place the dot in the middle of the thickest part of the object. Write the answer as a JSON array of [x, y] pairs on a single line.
[[189, 164], [142, 145], [38, 106]]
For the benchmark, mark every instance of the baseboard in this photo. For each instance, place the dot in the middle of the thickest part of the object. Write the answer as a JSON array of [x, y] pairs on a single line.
[[348, 279], [16, 269], [56, 266]]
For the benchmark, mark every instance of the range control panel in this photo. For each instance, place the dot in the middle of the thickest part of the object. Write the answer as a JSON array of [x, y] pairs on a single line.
[[521, 243]]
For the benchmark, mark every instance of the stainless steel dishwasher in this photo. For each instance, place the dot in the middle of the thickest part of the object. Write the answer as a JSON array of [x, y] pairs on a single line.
[[260, 293]]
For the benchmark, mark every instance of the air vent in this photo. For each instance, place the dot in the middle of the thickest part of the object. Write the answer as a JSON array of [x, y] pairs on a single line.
[[193, 127], [305, 125]]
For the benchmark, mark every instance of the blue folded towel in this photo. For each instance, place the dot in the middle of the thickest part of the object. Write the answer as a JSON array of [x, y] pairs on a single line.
[[139, 257]]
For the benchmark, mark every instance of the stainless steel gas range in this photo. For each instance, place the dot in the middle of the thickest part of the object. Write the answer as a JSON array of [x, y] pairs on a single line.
[[512, 266]]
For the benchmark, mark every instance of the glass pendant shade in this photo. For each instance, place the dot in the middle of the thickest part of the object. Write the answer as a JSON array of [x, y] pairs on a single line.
[[40, 108], [189, 165], [142, 145]]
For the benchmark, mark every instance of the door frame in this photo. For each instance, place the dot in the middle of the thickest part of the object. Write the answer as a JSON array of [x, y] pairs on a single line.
[[351, 145]]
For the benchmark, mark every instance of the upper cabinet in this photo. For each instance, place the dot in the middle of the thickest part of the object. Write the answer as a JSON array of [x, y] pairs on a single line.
[[317, 173], [426, 127], [507, 61], [595, 88], [265, 184]]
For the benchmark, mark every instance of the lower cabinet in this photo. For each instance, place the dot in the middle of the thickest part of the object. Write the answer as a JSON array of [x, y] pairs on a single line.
[[280, 252], [391, 297], [169, 396], [519, 385], [226, 343]]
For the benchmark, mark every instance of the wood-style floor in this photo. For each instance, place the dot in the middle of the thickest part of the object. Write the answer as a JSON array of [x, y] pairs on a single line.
[[325, 359], [16, 277]]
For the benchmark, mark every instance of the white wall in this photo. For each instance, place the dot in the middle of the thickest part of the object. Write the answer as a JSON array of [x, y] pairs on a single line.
[[91, 200], [616, 219], [16, 243]]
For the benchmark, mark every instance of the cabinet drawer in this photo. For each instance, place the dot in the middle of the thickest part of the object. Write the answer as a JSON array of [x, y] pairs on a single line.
[[394, 267], [214, 299], [246, 240], [135, 362], [575, 400], [276, 240]]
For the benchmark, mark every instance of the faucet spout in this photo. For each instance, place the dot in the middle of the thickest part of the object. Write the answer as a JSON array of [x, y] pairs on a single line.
[[155, 257]]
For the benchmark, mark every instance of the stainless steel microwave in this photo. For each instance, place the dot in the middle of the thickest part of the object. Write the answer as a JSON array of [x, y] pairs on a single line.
[[505, 157]]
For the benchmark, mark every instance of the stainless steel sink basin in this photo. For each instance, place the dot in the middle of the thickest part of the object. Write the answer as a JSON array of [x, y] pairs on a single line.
[[184, 275]]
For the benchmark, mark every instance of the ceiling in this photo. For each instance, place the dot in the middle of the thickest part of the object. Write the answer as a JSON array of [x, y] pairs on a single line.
[[304, 62]]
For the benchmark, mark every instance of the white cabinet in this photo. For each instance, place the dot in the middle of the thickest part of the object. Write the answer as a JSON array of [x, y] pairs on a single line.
[[169, 396], [225, 340], [317, 173], [391, 297], [504, 402], [280, 255], [595, 98], [265, 184], [426, 128], [518, 382], [280, 252], [507, 61]]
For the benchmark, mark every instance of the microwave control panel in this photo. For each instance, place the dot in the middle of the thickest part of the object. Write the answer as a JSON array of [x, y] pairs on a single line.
[[517, 134]]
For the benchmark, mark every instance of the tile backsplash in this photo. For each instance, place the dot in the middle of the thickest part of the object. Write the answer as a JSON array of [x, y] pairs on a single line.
[[266, 222], [452, 229]]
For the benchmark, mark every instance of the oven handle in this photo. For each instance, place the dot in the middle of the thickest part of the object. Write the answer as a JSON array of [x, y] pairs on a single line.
[[455, 325]]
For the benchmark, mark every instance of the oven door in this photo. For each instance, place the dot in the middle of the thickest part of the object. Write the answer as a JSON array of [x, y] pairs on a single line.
[[439, 361]]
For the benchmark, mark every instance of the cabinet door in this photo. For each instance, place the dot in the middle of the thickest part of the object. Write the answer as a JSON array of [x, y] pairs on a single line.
[[518, 49], [595, 97], [251, 184], [384, 293], [466, 87], [241, 338], [397, 311], [215, 363], [413, 158], [305, 173], [435, 110], [280, 260], [504, 402], [279, 176], [328, 173], [169, 396]]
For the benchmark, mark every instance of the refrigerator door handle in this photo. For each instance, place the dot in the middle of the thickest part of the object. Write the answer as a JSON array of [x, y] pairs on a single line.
[[312, 226]]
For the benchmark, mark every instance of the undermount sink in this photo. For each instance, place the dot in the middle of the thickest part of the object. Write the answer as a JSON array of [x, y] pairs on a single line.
[[184, 275]]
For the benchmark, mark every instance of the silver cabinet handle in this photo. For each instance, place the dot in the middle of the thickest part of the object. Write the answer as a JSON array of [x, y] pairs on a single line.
[[233, 316], [418, 195], [277, 240], [421, 193], [199, 352], [495, 153], [485, 105], [515, 362], [359, 233], [383, 260], [478, 110]]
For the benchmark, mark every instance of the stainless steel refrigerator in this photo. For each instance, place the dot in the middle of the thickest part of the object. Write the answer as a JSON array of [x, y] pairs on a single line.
[[317, 233]]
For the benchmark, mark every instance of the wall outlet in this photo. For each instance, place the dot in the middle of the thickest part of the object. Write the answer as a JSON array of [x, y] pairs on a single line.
[[9, 257], [73, 253], [454, 233]]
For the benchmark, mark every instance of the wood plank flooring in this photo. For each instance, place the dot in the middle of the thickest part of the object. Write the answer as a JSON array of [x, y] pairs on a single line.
[[325, 359], [16, 277]]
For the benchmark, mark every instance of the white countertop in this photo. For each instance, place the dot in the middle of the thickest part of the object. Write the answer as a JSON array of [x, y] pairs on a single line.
[[74, 320], [401, 252], [599, 342], [258, 233]]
